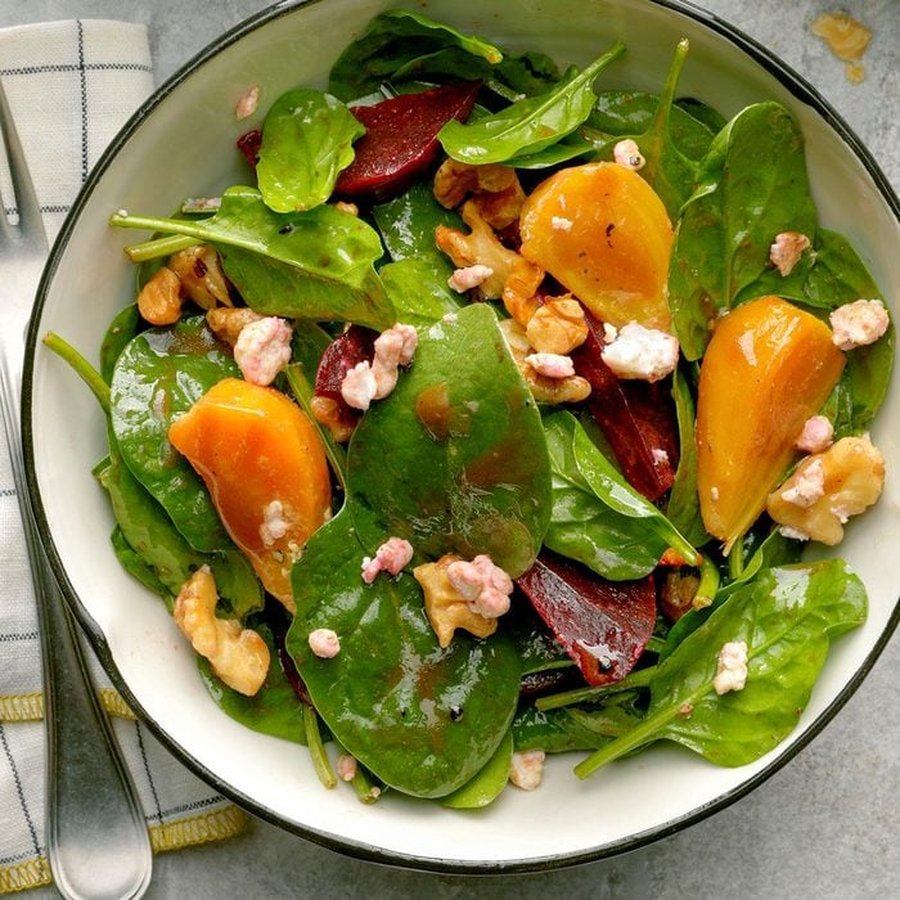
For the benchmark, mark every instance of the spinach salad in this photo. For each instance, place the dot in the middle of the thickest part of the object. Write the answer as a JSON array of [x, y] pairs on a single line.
[[427, 433]]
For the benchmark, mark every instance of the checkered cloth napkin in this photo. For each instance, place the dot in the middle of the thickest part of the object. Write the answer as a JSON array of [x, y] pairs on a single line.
[[71, 85]]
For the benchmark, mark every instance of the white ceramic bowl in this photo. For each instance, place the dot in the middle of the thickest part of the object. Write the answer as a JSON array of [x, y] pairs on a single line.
[[179, 144]]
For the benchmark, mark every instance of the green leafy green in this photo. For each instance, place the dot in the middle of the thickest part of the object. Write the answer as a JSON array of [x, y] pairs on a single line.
[[488, 784], [752, 186], [423, 719], [787, 617], [163, 557], [585, 527], [159, 375], [307, 140], [529, 125], [417, 292], [317, 264], [124, 326], [275, 709], [395, 40]]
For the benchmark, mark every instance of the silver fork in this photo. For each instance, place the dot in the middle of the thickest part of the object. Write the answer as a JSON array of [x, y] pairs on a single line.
[[97, 840]]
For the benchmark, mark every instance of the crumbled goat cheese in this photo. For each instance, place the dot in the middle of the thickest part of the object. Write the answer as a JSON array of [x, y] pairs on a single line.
[[469, 277], [262, 349], [560, 223], [786, 250], [641, 353], [274, 526], [817, 435], [346, 767], [551, 365], [324, 643], [391, 557], [247, 103], [714, 493], [808, 487], [526, 769], [660, 457], [484, 586], [858, 324], [627, 153], [359, 387], [731, 670], [367, 381]]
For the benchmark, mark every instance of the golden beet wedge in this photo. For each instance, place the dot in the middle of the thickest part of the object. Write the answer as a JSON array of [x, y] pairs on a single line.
[[265, 467], [768, 367], [602, 232]]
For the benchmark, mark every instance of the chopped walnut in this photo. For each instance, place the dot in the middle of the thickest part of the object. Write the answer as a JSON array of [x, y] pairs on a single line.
[[446, 607], [513, 278], [334, 416], [495, 190], [850, 481], [227, 322], [571, 389], [200, 272], [159, 301], [239, 656], [558, 326], [347, 207]]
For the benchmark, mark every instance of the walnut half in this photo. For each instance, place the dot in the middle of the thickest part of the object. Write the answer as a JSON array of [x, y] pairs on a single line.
[[849, 479]]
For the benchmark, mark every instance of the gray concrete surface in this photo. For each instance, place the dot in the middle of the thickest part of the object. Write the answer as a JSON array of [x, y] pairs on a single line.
[[827, 825]]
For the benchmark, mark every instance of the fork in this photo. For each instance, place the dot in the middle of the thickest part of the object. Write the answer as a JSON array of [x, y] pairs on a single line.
[[97, 841]]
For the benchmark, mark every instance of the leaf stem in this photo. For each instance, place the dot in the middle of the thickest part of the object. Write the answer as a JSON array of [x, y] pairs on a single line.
[[158, 247], [320, 760], [709, 584], [88, 374], [640, 678], [303, 391]]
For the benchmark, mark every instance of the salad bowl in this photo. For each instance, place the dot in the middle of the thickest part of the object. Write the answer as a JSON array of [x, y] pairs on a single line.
[[181, 144]]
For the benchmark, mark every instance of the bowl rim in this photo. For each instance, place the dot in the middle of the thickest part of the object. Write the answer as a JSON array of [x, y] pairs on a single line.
[[789, 79]]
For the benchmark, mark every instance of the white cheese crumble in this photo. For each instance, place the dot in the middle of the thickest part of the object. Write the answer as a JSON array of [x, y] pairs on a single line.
[[392, 556], [551, 365], [786, 250], [469, 277], [808, 486], [274, 526], [526, 769], [731, 668], [641, 353], [858, 324], [262, 349], [817, 435], [627, 153], [324, 643], [484, 586]]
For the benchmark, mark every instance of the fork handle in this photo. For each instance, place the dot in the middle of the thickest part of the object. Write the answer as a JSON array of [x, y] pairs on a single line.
[[97, 841], [98, 846]]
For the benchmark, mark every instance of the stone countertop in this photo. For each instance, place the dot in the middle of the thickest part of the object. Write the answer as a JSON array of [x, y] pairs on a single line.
[[827, 823]]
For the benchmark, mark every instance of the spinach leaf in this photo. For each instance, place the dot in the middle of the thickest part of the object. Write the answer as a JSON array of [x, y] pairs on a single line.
[[586, 528], [407, 225], [567, 729], [275, 709], [620, 114], [529, 125], [125, 325], [671, 173], [683, 509], [488, 784], [134, 565], [395, 40], [703, 113], [317, 264], [307, 139], [455, 459], [423, 719], [159, 375], [162, 551], [787, 616], [752, 186], [417, 292]]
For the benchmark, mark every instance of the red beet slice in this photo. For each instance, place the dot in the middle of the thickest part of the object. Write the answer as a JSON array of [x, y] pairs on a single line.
[[400, 142], [603, 625], [249, 143], [637, 418], [355, 345]]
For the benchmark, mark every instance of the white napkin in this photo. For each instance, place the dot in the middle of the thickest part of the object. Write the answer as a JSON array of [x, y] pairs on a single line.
[[71, 86]]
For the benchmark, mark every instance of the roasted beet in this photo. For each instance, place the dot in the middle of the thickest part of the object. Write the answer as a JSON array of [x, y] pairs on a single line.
[[400, 142], [249, 143], [637, 418], [603, 625], [355, 345]]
